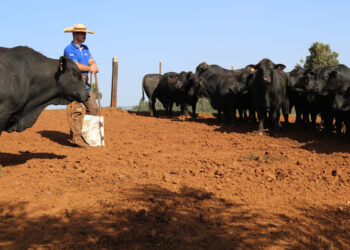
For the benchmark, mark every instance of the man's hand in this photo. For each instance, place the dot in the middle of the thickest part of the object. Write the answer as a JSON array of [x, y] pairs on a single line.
[[93, 68]]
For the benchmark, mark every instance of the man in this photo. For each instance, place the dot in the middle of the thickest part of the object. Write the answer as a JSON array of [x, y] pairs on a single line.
[[80, 54]]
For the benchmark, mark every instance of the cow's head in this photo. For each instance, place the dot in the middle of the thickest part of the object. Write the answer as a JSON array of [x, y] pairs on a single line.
[[322, 76], [299, 79], [339, 84], [182, 81], [244, 79], [265, 69], [171, 77], [69, 80], [295, 76], [342, 95], [190, 83], [201, 68]]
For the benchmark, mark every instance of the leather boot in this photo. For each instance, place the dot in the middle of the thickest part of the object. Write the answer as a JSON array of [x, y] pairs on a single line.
[[79, 141]]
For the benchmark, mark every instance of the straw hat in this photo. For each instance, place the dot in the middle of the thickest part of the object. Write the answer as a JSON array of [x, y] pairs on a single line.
[[78, 28]]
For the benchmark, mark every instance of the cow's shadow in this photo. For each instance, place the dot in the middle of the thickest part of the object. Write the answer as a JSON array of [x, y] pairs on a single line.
[[9, 159], [162, 114], [58, 137], [313, 140]]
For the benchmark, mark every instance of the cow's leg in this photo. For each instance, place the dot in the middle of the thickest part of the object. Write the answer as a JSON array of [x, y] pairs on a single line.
[[184, 109], [170, 108], [261, 117], [194, 106], [347, 126], [245, 113], [328, 122], [3, 121], [338, 124], [252, 115], [240, 114], [276, 122], [228, 115], [152, 105], [218, 117], [285, 112], [150, 108], [306, 119], [313, 120], [297, 114]]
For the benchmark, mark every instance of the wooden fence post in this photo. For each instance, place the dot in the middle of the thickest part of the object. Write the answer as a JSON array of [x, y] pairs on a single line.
[[114, 82], [231, 67], [160, 67]]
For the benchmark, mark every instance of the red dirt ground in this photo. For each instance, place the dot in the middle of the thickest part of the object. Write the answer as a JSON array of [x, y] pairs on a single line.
[[168, 184]]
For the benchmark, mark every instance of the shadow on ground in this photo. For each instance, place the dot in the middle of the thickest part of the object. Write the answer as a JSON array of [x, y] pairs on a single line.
[[162, 219], [58, 137], [9, 159], [313, 140]]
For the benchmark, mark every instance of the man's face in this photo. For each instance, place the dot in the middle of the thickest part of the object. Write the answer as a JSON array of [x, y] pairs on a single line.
[[80, 36]]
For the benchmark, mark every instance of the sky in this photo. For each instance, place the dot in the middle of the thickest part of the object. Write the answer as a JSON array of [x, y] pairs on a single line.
[[181, 34]]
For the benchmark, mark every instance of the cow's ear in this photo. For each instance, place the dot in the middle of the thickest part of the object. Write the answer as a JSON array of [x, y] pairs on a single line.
[[251, 67], [309, 73], [333, 74], [280, 66], [62, 64], [189, 75], [205, 66]]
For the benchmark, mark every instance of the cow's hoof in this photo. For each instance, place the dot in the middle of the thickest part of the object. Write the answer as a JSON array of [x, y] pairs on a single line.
[[260, 133], [182, 117]]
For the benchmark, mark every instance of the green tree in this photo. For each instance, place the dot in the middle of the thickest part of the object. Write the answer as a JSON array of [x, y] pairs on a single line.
[[203, 106], [321, 55], [94, 90]]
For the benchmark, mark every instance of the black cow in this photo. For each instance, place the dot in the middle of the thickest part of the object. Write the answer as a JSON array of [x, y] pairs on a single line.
[[29, 82], [189, 84], [320, 94], [270, 94], [243, 91], [339, 88], [220, 89], [149, 84], [205, 70], [298, 79], [168, 94]]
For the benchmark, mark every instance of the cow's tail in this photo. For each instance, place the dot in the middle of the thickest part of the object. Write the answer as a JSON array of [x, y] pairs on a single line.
[[143, 89]]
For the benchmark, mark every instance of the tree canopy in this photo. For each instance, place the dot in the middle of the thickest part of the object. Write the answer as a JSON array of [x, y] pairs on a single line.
[[321, 55]]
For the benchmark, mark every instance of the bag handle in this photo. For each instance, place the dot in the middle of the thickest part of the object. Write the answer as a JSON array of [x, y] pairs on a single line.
[[97, 90]]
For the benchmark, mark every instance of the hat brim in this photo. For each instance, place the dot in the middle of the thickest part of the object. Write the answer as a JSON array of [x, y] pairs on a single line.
[[71, 29]]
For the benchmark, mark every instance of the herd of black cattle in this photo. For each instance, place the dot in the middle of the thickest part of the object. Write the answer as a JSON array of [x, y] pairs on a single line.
[[29, 82], [263, 89]]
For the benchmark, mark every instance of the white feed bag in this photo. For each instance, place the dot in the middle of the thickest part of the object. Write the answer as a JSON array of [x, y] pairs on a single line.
[[93, 130]]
